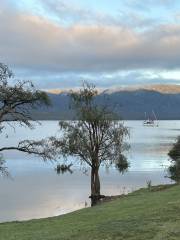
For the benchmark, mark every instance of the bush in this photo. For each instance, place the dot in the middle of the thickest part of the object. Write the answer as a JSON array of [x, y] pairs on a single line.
[[174, 169]]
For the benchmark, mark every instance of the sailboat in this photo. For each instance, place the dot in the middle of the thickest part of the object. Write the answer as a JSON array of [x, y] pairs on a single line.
[[151, 122]]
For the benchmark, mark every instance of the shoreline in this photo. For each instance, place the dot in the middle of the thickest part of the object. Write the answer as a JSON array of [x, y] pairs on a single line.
[[104, 200], [144, 214]]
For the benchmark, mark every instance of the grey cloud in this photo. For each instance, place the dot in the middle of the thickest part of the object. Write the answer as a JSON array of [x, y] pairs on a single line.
[[65, 12], [31, 42], [69, 14], [146, 5], [101, 80], [137, 21]]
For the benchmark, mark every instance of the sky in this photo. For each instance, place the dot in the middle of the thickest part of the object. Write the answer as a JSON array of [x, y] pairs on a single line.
[[61, 43]]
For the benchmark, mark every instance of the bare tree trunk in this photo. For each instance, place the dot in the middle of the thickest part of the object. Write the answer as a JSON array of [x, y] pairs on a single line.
[[95, 186]]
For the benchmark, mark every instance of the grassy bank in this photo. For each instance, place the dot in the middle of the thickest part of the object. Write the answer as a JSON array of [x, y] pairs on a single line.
[[142, 215]]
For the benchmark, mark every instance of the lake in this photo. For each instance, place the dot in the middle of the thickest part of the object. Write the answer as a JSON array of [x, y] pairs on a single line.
[[36, 191]]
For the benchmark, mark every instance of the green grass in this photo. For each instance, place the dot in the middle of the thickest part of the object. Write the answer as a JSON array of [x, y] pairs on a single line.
[[142, 215]]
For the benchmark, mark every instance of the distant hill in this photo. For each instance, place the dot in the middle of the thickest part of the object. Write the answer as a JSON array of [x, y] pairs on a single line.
[[130, 103]]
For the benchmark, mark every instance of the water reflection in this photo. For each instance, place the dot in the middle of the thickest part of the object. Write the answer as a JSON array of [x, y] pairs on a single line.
[[64, 168], [37, 191]]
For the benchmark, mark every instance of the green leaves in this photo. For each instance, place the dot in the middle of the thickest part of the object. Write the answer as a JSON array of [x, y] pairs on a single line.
[[122, 164], [18, 99], [96, 137], [3, 168], [16, 102], [174, 169]]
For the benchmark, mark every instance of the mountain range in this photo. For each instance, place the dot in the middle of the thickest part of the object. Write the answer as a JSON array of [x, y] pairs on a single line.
[[130, 103]]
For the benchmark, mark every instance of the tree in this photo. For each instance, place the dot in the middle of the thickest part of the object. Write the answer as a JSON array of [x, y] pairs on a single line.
[[174, 169], [16, 102], [96, 138], [3, 169]]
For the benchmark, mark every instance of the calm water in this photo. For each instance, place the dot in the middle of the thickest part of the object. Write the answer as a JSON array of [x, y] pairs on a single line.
[[35, 190]]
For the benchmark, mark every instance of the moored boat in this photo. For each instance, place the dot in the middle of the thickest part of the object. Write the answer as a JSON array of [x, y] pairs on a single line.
[[150, 121]]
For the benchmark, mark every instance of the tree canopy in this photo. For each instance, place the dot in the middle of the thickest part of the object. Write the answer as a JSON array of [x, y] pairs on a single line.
[[174, 168], [17, 99], [97, 137]]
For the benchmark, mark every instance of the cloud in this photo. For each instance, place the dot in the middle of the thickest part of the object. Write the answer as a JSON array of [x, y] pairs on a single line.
[[54, 54], [102, 80], [146, 5], [32, 42], [67, 14]]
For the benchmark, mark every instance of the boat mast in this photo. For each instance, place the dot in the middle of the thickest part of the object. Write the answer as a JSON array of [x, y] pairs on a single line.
[[145, 115], [155, 118], [154, 115]]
